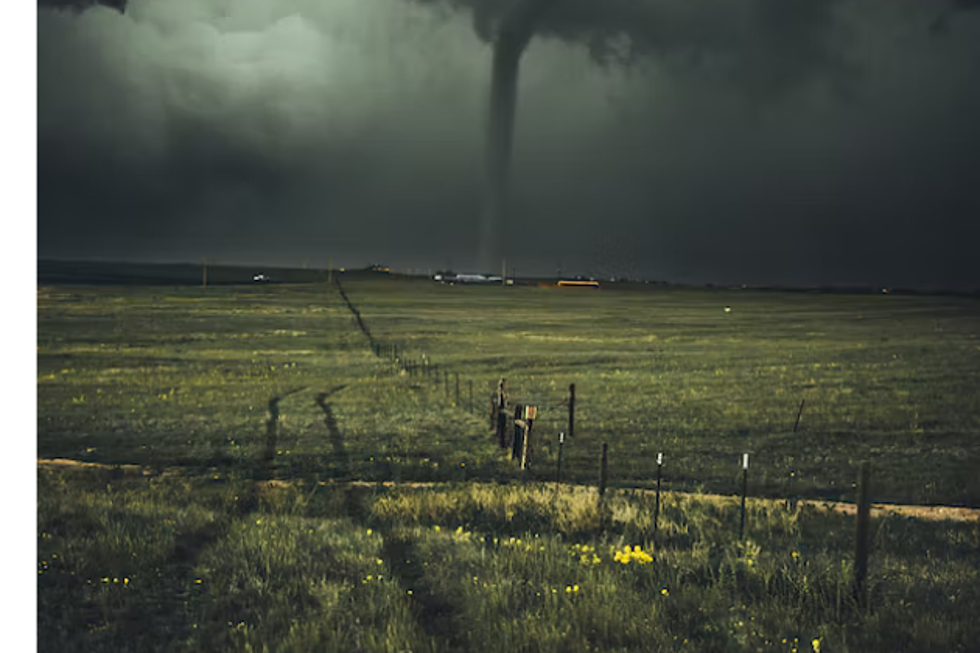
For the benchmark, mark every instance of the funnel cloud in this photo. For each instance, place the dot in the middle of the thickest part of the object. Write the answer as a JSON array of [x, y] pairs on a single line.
[[756, 141]]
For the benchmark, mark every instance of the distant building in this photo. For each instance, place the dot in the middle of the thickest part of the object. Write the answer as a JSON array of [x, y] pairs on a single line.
[[578, 283]]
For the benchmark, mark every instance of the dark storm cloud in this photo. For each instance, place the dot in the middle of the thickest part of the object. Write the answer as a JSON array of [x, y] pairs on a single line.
[[757, 141]]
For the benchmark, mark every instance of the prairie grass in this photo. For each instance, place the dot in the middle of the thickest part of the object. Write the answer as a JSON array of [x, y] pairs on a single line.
[[176, 377], [248, 533], [176, 563]]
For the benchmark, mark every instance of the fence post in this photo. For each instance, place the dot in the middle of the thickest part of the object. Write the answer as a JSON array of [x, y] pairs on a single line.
[[603, 469], [862, 531], [518, 443], [571, 410], [526, 444], [271, 436], [799, 414], [502, 427], [561, 444], [656, 510], [745, 489]]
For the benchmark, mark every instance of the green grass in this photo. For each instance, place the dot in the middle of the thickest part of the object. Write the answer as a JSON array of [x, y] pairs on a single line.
[[198, 556], [172, 563], [181, 377]]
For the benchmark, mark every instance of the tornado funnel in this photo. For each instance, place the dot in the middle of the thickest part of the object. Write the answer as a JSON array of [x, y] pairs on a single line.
[[514, 34]]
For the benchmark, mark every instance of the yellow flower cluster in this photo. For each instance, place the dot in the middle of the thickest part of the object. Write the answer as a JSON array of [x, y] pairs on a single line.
[[628, 555], [583, 551], [518, 543], [462, 536]]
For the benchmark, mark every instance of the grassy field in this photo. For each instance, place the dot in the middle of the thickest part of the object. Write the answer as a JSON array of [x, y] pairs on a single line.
[[178, 563], [198, 556], [179, 377]]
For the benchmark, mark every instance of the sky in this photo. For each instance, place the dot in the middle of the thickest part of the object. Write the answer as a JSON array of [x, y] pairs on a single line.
[[762, 142]]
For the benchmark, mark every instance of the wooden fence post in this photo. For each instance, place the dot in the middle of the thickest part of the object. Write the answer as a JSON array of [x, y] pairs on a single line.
[[571, 410], [862, 531], [530, 414], [271, 436], [799, 414], [518, 442]]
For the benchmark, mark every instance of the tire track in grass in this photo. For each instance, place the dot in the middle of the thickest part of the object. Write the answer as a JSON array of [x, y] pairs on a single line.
[[435, 615]]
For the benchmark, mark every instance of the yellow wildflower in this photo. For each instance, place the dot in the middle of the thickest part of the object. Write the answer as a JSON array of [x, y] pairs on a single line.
[[816, 645]]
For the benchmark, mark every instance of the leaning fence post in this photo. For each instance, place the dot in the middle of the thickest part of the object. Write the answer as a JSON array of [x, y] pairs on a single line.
[[799, 414], [745, 489], [862, 531]]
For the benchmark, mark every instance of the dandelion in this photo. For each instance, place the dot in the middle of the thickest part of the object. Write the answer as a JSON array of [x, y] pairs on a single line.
[[568, 589], [667, 593], [126, 582], [796, 555], [197, 581], [816, 645], [369, 531], [379, 561], [258, 521], [575, 589], [409, 592], [436, 528]]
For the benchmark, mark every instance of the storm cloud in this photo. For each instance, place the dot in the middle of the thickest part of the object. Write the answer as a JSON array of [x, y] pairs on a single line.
[[758, 141]]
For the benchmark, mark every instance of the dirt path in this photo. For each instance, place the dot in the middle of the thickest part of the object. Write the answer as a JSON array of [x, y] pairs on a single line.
[[932, 513]]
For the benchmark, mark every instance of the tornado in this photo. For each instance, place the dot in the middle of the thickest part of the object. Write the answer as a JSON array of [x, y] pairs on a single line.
[[515, 32]]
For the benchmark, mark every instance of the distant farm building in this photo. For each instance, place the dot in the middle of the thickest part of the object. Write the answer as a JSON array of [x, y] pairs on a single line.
[[576, 283]]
